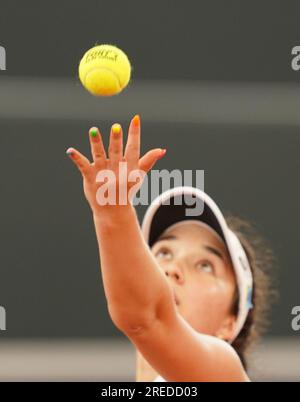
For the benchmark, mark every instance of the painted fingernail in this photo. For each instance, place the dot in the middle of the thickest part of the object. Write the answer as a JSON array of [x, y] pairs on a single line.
[[116, 128], [70, 152], [163, 152], [136, 120], [93, 132]]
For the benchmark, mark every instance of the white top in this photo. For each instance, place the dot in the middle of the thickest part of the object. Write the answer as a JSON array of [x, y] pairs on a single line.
[[159, 379]]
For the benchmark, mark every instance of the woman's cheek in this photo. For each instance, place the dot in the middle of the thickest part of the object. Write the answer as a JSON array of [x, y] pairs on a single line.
[[204, 294], [213, 293], [225, 295]]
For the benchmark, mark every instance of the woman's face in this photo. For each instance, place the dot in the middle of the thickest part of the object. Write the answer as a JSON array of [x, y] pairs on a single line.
[[198, 268]]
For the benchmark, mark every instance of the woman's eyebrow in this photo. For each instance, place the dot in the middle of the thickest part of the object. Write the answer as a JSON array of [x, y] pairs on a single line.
[[214, 251], [167, 237], [208, 248]]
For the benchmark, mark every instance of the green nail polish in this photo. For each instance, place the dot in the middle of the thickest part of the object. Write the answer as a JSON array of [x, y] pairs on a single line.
[[93, 132]]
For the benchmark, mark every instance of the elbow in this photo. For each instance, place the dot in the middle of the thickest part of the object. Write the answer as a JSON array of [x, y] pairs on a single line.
[[132, 322], [133, 318]]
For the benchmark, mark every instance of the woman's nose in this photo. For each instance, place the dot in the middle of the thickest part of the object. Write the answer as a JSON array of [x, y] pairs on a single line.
[[173, 271]]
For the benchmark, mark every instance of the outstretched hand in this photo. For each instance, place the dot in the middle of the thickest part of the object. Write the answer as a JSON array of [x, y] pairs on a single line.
[[106, 178]]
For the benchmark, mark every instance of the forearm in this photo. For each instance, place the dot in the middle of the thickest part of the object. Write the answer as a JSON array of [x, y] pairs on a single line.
[[134, 284]]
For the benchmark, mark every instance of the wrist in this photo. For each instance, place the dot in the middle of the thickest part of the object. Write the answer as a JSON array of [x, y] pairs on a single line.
[[114, 215]]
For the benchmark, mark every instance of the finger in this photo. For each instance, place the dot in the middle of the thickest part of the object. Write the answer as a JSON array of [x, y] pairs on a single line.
[[97, 148], [150, 158], [115, 149], [132, 150], [82, 163]]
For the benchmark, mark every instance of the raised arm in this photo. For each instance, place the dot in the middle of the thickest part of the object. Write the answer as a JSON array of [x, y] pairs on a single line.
[[139, 297], [133, 282]]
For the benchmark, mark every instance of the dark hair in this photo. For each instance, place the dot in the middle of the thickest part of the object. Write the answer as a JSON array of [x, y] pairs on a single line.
[[261, 260]]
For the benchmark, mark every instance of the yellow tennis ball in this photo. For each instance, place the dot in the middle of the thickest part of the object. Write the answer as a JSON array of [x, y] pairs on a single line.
[[104, 70]]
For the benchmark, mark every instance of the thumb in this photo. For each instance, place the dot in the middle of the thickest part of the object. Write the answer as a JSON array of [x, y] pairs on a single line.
[[82, 163], [150, 158]]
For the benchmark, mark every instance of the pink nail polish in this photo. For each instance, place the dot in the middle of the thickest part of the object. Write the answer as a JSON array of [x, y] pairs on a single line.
[[70, 152], [163, 152]]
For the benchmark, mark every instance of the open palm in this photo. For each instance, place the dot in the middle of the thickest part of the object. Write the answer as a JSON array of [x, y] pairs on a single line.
[[94, 173]]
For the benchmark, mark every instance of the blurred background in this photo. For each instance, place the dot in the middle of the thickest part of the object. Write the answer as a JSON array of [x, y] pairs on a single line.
[[213, 84]]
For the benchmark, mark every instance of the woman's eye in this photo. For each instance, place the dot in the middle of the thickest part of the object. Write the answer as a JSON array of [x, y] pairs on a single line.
[[165, 254], [205, 267]]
